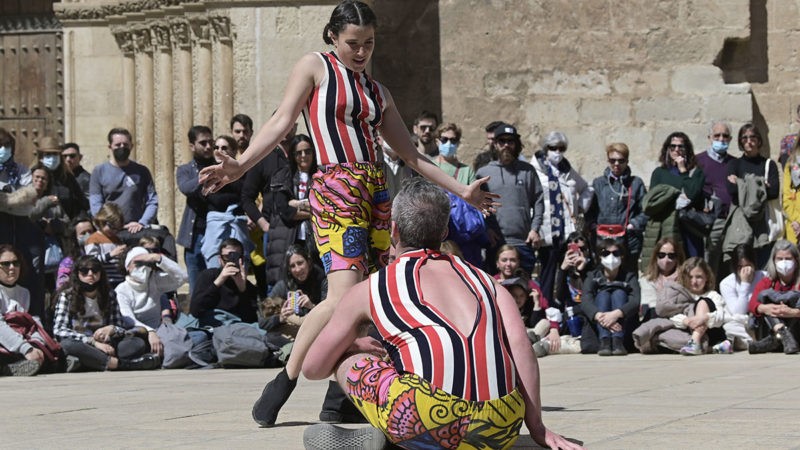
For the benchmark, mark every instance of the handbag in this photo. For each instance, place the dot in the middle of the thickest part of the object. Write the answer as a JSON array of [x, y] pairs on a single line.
[[700, 222], [34, 334], [774, 213], [610, 231]]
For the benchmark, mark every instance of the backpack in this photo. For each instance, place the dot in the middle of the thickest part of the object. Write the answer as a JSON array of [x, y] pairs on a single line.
[[466, 222], [177, 346], [34, 334], [242, 345]]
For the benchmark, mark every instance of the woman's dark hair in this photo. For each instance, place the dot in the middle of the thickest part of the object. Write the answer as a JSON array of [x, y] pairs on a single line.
[[10, 248], [740, 252], [349, 12], [606, 243], [577, 237], [40, 166], [75, 295], [749, 126], [293, 146], [69, 243], [665, 159], [296, 249]]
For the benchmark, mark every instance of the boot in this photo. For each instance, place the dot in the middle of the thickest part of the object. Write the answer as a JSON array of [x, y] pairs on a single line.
[[618, 347], [766, 345], [276, 392], [149, 361], [21, 368], [337, 407], [542, 348], [605, 347], [786, 337]]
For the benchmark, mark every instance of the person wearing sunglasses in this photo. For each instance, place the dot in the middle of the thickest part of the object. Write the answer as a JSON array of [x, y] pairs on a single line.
[[72, 157], [90, 328], [62, 184], [567, 198], [752, 162], [610, 302], [618, 199], [24, 358], [424, 130], [661, 268]]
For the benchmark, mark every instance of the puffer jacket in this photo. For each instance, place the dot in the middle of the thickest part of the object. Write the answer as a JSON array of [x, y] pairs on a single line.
[[659, 205]]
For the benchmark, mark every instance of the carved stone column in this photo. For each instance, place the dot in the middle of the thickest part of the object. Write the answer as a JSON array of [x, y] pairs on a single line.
[[124, 39], [223, 74], [203, 94], [164, 168], [182, 95], [145, 139]]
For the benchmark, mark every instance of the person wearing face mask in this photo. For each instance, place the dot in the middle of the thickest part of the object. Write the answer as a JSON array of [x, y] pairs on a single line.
[[150, 275], [63, 184], [610, 302], [774, 302], [124, 182], [448, 139], [714, 163], [662, 268], [567, 196]]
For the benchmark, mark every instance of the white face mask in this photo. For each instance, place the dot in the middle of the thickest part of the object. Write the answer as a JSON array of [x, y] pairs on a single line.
[[555, 157], [140, 274], [611, 262], [784, 266]]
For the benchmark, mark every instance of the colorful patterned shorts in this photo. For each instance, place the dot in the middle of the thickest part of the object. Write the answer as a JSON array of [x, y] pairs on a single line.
[[413, 414], [351, 210]]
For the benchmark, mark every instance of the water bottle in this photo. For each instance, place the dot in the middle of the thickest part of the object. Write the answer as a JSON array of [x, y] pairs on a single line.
[[573, 322]]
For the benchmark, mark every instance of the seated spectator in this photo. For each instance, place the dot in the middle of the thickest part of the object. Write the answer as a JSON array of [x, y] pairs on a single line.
[[530, 308], [63, 184], [774, 301], [24, 358], [703, 318], [225, 218], [736, 290], [302, 287], [610, 299], [662, 268], [225, 288], [76, 234], [105, 245], [150, 275], [90, 327], [449, 247], [507, 263]]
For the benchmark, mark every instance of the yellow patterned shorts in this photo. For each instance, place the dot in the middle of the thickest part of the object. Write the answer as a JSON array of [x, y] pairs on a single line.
[[351, 210], [413, 414]]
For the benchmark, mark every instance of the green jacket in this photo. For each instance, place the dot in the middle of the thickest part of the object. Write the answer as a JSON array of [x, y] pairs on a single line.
[[659, 205]]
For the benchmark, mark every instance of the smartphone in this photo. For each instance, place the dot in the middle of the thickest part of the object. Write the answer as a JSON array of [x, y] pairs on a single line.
[[293, 301], [573, 247]]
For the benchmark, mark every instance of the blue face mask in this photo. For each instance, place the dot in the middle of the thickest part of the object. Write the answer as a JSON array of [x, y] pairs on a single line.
[[50, 161], [448, 149], [719, 147], [5, 154]]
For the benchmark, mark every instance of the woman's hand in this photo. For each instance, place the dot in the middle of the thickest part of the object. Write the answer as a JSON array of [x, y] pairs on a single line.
[[105, 348], [118, 250], [155, 342], [697, 321], [555, 340], [747, 273], [103, 334], [286, 311], [213, 178], [304, 302], [367, 344]]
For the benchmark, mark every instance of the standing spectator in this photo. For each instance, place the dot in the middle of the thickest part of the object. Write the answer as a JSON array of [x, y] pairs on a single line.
[[618, 196], [242, 130], [193, 223], [752, 162], [714, 162], [790, 198], [774, 302], [394, 169], [62, 184], [448, 139], [519, 218], [789, 141], [567, 197], [105, 245], [25, 359], [610, 300], [124, 182], [679, 170], [488, 152], [71, 154], [424, 128], [90, 327], [50, 218]]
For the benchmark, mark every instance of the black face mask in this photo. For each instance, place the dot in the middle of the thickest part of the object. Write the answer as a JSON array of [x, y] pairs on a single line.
[[121, 153], [86, 287]]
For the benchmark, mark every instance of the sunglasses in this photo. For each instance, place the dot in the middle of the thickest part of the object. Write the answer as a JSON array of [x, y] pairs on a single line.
[[676, 147], [87, 270], [303, 152], [614, 161], [662, 255], [557, 148], [610, 252], [721, 136], [503, 141], [69, 155], [221, 147], [9, 264], [445, 140], [426, 127]]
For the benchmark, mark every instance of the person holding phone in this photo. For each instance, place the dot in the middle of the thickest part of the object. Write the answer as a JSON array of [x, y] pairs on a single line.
[[225, 287]]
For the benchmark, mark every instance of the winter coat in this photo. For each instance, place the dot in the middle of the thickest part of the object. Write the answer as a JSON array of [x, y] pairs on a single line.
[[610, 205], [659, 205]]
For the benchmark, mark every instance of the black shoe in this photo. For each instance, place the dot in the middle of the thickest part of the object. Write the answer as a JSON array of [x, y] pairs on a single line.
[[790, 346], [149, 361], [275, 394], [337, 407], [618, 347], [21, 368], [605, 347], [766, 345]]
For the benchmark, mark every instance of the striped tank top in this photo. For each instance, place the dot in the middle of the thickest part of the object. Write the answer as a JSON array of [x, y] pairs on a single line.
[[419, 340], [342, 113]]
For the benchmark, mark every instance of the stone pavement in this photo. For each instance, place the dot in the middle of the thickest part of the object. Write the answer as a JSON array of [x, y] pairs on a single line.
[[632, 402]]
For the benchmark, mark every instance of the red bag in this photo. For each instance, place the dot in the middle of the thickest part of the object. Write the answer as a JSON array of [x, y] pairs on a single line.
[[24, 324], [616, 230]]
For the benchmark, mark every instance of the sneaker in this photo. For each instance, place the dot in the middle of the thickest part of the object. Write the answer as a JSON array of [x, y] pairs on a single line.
[[790, 346], [766, 345], [724, 347], [542, 348], [691, 348], [325, 436], [532, 336], [275, 394], [21, 368]]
